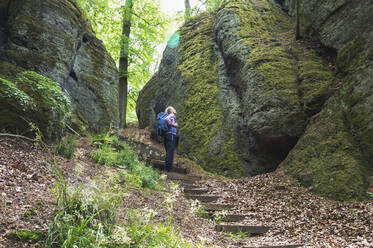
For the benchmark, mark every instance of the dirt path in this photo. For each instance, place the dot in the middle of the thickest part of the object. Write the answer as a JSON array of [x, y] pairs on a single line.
[[293, 215]]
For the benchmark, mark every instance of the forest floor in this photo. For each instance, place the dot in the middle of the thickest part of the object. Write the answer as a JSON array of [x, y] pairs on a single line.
[[295, 216]]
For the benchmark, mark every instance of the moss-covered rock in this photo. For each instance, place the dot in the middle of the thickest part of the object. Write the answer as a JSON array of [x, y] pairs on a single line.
[[55, 39], [345, 27], [326, 159], [33, 98], [243, 91]]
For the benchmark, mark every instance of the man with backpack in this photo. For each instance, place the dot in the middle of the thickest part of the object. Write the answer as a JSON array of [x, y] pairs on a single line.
[[170, 137]]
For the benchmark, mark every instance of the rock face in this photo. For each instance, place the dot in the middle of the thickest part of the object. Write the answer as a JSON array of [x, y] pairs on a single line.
[[54, 38], [243, 91], [247, 94], [335, 155]]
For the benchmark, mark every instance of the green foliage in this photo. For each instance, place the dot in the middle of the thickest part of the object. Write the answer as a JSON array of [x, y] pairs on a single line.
[[47, 94], [144, 233], [119, 154], [86, 218], [27, 236], [37, 99], [147, 32], [12, 95], [66, 146]]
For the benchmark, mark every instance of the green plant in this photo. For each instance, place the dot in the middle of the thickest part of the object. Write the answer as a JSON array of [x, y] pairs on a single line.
[[119, 154], [220, 216], [199, 209], [66, 146], [86, 217], [239, 235], [144, 233], [27, 235]]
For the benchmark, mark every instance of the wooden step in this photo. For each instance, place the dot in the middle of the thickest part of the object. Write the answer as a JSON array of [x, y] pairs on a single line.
[[218, 207], [226, 217], [241, 228], [195, 191], [203, 198], [178, 176], [276, 246], [175, 168], [189, 185], [184, 181]]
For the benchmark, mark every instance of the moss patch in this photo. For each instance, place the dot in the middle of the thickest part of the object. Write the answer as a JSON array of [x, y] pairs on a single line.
[[326, 159], [201, 116], [36, 99], [300, 76]]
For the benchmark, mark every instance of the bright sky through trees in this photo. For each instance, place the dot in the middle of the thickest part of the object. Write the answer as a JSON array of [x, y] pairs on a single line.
[[172, 6]]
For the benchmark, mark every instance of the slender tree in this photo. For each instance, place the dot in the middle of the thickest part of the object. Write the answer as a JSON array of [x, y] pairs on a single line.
[[297, 35], [123, 63], [188, 10]]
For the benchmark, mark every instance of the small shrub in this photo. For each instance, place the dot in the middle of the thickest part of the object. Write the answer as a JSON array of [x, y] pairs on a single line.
[[66, 146]]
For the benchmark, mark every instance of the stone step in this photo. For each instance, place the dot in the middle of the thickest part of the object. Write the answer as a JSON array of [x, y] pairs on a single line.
[[218, 207], [203, 198], [195, 191], [276, 246], [225, 217], [158, 164], [241, 228]]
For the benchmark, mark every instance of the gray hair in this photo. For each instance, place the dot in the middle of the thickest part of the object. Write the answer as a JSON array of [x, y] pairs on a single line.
[[170, 109]]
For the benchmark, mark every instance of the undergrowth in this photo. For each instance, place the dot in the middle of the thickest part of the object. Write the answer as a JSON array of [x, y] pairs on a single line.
[[117, 153], [66, 146], [89, 214]]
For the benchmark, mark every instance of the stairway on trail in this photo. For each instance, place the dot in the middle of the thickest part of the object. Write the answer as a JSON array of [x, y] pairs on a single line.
[[229, 222]]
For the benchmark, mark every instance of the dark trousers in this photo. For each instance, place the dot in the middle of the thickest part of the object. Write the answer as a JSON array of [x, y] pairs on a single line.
[[169, 144]]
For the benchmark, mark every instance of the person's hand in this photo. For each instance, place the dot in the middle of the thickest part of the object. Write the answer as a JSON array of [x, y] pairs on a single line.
[[176, 125]]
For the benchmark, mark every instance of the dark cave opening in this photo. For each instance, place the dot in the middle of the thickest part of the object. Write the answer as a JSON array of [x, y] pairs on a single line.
[[273, 149]]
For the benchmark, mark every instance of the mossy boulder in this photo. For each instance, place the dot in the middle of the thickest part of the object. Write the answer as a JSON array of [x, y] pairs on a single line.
[[33, 98], [242, 90], [327, 160], [55, 39], [343, 135]]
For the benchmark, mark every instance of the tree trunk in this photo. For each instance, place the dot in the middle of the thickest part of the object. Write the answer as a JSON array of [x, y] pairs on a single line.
[[123, 63], [297, 35], [187, 9]]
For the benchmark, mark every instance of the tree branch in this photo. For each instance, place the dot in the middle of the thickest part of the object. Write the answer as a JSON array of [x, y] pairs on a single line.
[[153, 25], [17, 136]]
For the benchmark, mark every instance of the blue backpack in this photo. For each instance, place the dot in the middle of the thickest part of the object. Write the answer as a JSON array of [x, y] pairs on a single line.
[[162, 125]]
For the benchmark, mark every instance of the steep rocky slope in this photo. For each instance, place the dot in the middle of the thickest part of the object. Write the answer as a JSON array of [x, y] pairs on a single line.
[[55, 39], [246, 91]]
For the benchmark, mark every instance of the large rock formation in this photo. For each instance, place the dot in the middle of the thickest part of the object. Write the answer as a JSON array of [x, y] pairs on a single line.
[[335, 154], [243, 91], [246, 92], [54, 38]]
